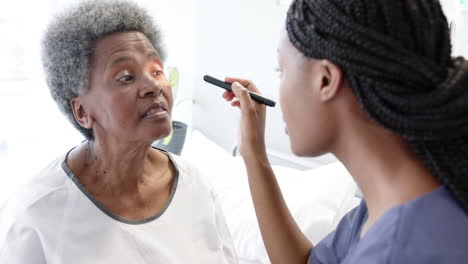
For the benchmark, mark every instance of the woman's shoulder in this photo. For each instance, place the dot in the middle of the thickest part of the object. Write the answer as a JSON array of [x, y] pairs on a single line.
[[336, 245], [32, 199], [182, 164], [429, 229], [189, 173], [438, 222], [437, 215], [49, 179]]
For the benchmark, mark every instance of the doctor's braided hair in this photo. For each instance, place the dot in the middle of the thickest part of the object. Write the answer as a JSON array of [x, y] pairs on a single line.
[[396, 55]]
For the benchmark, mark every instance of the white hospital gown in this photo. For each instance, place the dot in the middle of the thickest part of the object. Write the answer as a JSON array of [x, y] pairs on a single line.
[[53, 220]]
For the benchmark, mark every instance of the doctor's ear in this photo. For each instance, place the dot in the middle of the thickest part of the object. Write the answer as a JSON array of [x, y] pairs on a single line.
[[332, 80], [80, 113]]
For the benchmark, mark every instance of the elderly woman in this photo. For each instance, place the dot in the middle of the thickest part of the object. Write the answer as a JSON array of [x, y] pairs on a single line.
[[113, 198]]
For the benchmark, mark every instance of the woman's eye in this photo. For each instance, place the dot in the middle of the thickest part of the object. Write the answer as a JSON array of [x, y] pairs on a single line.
[[126, 79], [158, 73]]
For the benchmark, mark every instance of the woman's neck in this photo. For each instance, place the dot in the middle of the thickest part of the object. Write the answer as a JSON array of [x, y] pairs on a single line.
[[384, 167], [114, 167]]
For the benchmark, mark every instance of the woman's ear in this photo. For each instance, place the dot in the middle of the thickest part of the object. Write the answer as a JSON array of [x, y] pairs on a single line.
[[80, 112], [332, 79]]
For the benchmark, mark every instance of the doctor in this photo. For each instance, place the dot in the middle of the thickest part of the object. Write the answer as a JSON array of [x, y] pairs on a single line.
[[373, 83]]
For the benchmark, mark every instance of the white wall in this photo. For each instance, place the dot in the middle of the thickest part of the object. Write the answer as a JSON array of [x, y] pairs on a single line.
[[32, 131], [239, 38], [234, 38], [457, 13]]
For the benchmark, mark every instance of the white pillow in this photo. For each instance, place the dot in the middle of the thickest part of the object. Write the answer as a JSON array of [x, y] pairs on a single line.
[[317, 198]]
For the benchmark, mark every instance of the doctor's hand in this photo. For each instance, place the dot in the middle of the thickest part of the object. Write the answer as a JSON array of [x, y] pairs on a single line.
[[252, 124]]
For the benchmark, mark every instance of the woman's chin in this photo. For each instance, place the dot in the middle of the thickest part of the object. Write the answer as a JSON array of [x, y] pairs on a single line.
[[298, 152], [302, 150], [162, 131], [296, 149]]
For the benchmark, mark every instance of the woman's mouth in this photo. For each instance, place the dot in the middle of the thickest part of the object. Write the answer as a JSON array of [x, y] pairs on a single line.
[[156, 111]]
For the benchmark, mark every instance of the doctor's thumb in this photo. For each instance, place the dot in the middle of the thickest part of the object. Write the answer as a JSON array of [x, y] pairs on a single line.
[[242, 94]]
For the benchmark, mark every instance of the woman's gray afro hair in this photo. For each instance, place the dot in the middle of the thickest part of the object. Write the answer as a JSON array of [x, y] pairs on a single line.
[[69, 40]]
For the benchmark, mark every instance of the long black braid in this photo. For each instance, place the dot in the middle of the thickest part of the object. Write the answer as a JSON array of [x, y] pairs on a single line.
[[396, 54]]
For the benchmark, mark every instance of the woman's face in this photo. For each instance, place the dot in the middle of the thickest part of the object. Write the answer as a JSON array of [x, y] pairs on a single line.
[[129, 96], [303, 112]]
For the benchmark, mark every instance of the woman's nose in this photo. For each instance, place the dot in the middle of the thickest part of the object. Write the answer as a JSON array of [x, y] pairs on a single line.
[[148, 91], [151, 87]]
